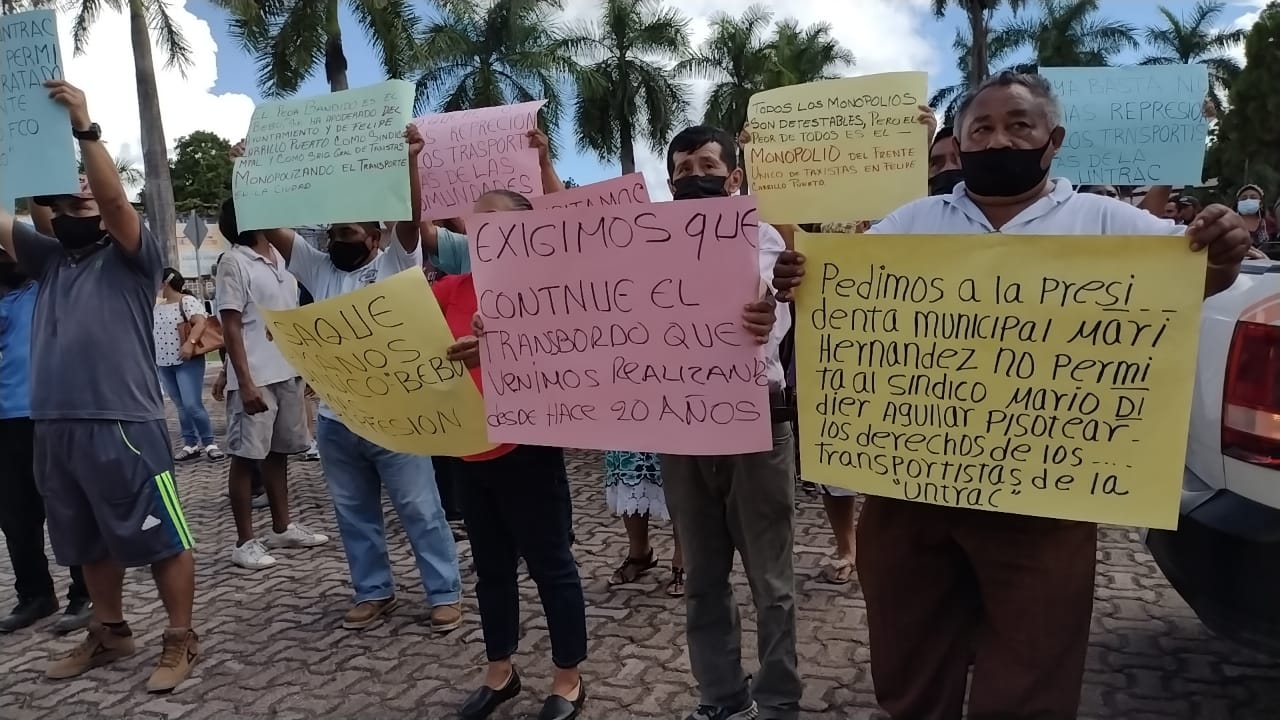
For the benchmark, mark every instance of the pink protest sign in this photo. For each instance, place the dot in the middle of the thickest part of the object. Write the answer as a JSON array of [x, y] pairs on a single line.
[[621, 327], [471, 152], [625, 190]]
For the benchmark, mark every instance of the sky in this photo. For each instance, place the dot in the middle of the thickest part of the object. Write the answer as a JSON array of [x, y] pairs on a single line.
[[219, 91]]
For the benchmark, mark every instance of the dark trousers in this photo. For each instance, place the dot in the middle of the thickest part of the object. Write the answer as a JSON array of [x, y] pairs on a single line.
[[514, 506], [946, 587], [447, 471], [744, 503], [22, 516]]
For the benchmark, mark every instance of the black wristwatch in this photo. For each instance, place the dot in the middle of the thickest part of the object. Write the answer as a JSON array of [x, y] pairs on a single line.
[[93, 134]]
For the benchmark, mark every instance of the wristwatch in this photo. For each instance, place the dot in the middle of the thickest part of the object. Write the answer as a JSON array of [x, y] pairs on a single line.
[[93, 134]]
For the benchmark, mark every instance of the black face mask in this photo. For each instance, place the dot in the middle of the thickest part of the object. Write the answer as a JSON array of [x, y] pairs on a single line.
[[696, 187], [1003, 172], [78, 233], [944, 182], [347, 256]]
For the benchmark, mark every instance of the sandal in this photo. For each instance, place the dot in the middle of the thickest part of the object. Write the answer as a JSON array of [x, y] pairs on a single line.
[[189, 452], [675, 588], [839, 571], [632, 568]]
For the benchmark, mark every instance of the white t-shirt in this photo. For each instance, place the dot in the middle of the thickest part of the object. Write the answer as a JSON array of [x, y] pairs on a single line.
[[247, 281], [166, 317], [318, 275]]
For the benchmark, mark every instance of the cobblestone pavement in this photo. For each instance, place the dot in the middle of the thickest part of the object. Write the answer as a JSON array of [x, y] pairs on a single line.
[[273, 648]]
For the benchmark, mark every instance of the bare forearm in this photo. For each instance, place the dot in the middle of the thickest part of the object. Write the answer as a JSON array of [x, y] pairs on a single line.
[[282, 240], [197, 329], [408, 233], [1156, 198], [550, 180], [118, 215], [233, 340], [1217, 280], [6, 233], [42, 219]]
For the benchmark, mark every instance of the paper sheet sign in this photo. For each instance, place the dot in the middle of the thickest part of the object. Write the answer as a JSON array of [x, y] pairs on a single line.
[[377, 357], [471, 152], [624, 190], [1135, 125], [37, 151], [1034, 375], [838, 150], [339, 157], [621, 327]]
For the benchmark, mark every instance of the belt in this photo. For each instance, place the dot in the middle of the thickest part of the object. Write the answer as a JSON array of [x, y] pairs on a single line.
[[781, 406]]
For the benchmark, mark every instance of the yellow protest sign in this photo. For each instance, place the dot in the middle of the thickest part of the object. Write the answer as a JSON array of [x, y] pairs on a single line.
[[377, 357], [838, 150], [1035, 375]]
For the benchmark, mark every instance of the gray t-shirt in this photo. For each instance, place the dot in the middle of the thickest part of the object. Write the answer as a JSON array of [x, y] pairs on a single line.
[[92, 349]]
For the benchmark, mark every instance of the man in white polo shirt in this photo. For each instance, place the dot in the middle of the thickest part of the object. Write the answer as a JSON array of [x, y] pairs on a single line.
[[1011, 595]]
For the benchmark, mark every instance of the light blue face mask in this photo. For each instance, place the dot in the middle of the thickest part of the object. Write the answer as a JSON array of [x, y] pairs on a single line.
[[1248, 206]]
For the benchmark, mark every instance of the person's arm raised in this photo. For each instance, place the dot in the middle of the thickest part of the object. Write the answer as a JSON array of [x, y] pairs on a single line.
[[410, 233], [118, 216], [41, 218], [280, 238], [550, 180]]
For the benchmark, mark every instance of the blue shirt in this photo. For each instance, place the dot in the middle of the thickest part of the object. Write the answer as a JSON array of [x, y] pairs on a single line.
[[452, 256], [17, 308]]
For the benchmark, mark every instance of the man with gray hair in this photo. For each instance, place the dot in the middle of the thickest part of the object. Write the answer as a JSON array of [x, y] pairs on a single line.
[[948, 588]]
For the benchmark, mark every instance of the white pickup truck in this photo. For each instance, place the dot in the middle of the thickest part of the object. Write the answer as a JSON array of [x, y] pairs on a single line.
[[1224, 558]]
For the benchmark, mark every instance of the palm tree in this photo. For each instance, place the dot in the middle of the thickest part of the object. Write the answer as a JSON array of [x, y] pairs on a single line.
[[743, 58], [495, 52], [289, 39], [627, 89], [978, 13], [738, 58], [948, 98], [146, 16], [1067, 34], [1197, 39], [129, 173]]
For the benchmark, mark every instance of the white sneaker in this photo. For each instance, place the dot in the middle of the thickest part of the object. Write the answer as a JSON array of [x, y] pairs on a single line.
[[252, 555], [313, 452], [296, 536]]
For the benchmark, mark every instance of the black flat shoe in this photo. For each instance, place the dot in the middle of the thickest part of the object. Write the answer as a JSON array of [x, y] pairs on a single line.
[[77, 616], [558, 708], [481, 703], [28, 613]]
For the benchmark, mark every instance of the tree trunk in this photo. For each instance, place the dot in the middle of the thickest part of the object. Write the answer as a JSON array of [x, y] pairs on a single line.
[[978, 61], [158, 190], [626, 129], [335, 60]]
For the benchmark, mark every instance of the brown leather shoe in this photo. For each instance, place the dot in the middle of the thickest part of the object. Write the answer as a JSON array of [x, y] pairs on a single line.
[[368, 614], [446, 617], [101, 646], [181, 648]]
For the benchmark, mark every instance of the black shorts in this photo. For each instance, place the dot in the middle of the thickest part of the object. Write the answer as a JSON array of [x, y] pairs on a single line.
[[109, 491]]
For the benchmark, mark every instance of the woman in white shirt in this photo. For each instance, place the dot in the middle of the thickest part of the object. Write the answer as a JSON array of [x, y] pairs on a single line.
[[182, 371]]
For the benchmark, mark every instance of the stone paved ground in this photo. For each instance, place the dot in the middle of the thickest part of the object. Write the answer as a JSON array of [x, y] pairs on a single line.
[[272, 648]]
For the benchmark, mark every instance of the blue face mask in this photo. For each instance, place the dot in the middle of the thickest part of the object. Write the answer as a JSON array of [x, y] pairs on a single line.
[[1248, 206]]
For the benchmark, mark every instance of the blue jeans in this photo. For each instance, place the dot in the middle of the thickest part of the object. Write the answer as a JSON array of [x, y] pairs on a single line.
[[184, 384], [357, 471]]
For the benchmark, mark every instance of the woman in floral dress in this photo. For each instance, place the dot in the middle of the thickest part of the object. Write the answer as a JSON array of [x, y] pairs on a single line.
[[633, 489]]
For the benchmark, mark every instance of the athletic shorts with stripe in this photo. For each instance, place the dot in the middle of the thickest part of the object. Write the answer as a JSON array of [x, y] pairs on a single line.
[[109, 491]]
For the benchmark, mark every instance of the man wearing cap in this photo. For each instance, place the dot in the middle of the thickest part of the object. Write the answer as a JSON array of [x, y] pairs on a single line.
[[103, 459]]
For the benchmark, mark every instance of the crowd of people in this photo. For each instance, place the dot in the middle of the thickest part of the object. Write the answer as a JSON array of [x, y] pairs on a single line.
[[950, 593]]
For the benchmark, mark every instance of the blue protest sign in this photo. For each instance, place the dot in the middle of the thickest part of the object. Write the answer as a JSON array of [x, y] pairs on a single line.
[[37, 151], [1138, 125]]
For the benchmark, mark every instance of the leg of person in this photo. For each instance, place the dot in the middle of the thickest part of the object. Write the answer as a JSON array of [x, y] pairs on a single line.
[[248, 443], [22, 522], [534, 492], [712, 625], [493, 547], [1036, 576], [761, 520], [79, 607], [150, 529], [840, 506], [411, 486], [190, 377], [922, 607], [627, 478], [288, 437], [675, 588], [172, 388], [313, 451], [444, 472], [357, 502]]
